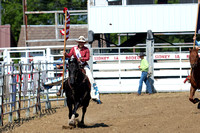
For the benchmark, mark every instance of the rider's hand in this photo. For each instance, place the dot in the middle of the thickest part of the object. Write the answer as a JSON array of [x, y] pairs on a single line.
[[64, 53], [58, 66], [194, 38]]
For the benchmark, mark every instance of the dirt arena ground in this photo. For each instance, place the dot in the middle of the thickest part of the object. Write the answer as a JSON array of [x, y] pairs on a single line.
[[126, 113]]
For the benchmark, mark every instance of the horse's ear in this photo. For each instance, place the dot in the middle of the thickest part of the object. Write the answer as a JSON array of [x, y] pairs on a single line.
[[190, 49]]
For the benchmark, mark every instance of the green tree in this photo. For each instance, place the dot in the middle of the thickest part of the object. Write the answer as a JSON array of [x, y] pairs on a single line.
[[12, 12], [48, 19]]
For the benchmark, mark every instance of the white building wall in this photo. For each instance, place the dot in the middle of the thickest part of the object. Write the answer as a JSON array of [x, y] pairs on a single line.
[[100, 2], [140, 18]]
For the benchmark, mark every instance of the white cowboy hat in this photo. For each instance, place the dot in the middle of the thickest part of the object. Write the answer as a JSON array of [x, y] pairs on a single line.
[[81, 39]]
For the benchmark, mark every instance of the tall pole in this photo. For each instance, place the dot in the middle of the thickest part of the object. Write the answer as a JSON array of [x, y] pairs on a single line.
[[64, 49], [196, 23], [0, 12], [150, 59], [25, 21]]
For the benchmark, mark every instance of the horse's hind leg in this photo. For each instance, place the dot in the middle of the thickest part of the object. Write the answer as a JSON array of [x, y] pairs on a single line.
[[83, 114], [192, 92]]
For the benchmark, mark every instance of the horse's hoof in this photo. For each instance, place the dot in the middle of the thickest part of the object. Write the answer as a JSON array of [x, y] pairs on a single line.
[[196, 100], [81, 125], [72, 120], [71, 123]]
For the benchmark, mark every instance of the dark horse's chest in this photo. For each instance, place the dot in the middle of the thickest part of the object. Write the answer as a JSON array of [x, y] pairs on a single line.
[[79, 91]]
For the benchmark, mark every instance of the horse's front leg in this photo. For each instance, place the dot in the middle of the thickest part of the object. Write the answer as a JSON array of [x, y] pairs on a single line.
[[72, 120], [192, 92], [69, 105], [70, 112]]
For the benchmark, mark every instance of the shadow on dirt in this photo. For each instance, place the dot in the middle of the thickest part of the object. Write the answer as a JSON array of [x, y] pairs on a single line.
[[96, 125], [85, 126], [18, 122]]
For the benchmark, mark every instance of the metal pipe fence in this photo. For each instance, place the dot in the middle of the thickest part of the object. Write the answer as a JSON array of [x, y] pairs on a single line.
[[22, 90]]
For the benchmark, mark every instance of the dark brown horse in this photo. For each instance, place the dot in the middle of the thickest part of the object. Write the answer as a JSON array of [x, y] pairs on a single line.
[[77, 89], [195, 74]]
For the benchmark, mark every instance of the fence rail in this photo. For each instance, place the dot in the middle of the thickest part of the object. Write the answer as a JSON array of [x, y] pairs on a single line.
[[116, 69]]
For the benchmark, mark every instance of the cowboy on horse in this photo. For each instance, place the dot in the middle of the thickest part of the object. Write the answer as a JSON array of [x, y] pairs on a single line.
[[82, 54]]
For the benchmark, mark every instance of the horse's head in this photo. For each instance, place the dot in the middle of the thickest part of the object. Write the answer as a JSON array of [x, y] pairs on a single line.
[[73, 69], [194, 57]]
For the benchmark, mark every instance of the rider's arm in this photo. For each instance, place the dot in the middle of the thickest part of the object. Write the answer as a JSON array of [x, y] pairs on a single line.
[[86, 56], [68, 55]]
